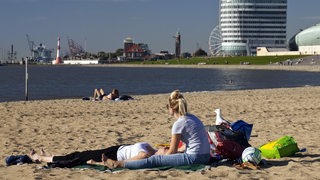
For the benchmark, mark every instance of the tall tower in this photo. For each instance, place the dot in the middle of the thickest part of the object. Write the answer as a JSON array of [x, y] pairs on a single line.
[[245, 25], [127, 44], [178, 44], [58, 58]]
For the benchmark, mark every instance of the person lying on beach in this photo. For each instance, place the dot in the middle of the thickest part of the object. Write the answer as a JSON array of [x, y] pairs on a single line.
[[99, 94], [135, 151], [187, 128]]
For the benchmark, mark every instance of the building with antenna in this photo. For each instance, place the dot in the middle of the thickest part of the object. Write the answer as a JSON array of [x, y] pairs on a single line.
[[245, 25]]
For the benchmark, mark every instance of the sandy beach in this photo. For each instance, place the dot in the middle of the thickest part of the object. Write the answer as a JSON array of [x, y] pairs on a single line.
[[63, 126]]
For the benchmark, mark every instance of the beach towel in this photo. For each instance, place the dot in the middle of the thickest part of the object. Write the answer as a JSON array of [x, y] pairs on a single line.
[[188, 168]]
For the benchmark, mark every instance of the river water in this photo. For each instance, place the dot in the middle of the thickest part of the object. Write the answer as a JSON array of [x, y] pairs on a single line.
[[56, 82]]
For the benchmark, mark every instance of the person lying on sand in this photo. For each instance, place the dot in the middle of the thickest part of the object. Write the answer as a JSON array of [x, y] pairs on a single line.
[[187, 128], [99, 94], [121, 152]]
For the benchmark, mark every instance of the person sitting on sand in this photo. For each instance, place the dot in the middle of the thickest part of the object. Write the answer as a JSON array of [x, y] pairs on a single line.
[[118, 153], [187, 128], [99, 94]]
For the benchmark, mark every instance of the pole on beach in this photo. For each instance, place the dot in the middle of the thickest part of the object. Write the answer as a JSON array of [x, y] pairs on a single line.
[[26, 88]]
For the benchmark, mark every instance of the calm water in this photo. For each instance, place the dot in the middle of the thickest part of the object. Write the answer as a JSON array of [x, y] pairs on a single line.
[[54, 82]]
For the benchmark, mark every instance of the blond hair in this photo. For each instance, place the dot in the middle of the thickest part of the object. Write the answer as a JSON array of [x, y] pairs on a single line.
[[177, 103]]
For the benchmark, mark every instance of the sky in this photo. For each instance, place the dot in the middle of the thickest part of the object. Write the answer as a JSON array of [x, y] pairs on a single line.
[[102, 25]]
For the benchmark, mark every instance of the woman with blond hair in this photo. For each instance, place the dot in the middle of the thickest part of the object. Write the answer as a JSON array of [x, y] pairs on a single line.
[[187, 128]]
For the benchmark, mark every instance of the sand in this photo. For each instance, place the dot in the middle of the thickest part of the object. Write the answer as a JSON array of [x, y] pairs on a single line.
[[63, 126]]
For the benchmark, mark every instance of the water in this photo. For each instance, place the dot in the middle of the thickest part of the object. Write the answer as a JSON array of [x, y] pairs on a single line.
[[55, 82]]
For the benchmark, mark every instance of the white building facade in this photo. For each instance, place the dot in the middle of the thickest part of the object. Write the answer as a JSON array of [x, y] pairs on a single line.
[[245, 25]]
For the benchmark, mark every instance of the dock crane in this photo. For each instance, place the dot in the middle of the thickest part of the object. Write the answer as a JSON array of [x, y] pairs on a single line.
[[31, 45]]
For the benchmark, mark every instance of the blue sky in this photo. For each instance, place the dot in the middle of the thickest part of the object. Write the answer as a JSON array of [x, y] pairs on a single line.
[[102, 25]]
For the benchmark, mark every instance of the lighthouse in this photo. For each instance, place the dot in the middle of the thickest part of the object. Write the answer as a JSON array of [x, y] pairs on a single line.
[[58, 58], [178, 44]]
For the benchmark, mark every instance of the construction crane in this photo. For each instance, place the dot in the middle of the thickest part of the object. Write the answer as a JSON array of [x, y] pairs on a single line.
[[31, 45], [75, 49]]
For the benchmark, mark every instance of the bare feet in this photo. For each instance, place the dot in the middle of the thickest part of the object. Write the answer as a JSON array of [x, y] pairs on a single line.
[[108, 162], [91, 161]]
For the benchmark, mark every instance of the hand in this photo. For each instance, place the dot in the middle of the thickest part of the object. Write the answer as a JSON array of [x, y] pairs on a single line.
[[162, 151]]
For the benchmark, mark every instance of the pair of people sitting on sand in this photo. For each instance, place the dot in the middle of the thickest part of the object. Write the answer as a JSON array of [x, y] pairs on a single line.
[[187, 128]]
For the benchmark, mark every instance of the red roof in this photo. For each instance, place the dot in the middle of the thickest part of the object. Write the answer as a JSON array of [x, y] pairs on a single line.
[[135, 48]]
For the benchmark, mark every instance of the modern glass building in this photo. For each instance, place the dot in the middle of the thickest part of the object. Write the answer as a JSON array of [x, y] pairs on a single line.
[[245, 25]]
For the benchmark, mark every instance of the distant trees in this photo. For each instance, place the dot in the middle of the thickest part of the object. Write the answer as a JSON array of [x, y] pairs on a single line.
[[109, 55], [200, 52]]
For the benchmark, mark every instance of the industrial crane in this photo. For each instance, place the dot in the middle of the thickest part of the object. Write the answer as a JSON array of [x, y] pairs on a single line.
[[31, 45]]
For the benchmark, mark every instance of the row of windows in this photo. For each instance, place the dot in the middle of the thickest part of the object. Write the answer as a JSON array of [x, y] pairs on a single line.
[[252, 32], [252, 7], [254, 1], [254, 36], [256, 41], [276, 13], [252, 27], [255, 17], [253, 22]]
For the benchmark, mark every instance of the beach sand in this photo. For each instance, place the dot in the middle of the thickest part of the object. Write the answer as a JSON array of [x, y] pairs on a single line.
[[67, 125]]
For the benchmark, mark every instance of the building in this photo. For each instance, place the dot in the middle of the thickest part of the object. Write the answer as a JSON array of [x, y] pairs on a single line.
[[245, 25], [306, 42], [132, 51], [177, 38]]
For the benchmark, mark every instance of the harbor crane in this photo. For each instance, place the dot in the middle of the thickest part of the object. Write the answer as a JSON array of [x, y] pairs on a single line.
[[31, 45]]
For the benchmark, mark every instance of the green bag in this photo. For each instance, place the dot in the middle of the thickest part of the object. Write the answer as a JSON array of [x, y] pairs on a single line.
[[283, 147]]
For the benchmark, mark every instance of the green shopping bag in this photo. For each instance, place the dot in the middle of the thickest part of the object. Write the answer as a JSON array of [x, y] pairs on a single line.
[[283, 147]]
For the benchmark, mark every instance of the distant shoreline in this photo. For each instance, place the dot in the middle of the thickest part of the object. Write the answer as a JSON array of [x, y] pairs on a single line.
[[309, 68]]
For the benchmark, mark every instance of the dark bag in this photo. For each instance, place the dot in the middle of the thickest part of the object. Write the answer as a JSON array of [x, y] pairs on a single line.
[[229, 144], [17, 160], [125, 97], [67, 164], [242, 127]]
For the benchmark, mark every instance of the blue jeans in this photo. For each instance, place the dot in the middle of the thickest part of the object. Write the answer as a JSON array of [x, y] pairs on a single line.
[[178, 159]]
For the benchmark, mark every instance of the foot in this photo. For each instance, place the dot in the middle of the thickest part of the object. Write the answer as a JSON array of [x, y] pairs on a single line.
[[91, 161], [108, 162]]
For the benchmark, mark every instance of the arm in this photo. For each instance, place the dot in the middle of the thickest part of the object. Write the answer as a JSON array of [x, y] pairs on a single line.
[[175, 139]]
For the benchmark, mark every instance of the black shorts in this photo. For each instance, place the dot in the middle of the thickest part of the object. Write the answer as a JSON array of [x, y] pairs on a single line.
[[84, 156], [101, 96]]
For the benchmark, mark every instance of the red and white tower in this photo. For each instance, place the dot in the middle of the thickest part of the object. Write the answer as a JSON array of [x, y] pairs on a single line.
[[58, 58]]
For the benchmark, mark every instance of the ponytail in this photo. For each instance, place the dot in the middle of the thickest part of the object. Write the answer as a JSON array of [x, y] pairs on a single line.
[[178, 103]]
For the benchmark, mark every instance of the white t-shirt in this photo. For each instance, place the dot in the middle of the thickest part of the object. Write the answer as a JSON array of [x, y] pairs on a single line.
[[193, 134], [129, 151]]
